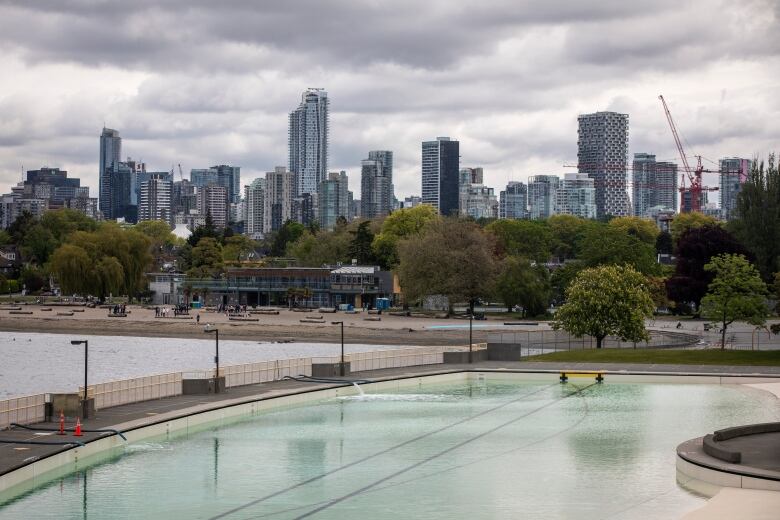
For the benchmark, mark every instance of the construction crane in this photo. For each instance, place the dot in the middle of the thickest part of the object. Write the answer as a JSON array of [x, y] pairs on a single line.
[[181, 174], [694, 191]]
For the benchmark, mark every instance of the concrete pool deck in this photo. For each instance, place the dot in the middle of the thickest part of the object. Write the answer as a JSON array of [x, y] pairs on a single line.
[[149, 413]]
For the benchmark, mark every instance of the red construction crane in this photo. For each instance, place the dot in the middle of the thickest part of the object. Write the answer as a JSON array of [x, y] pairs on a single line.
[[694, 177]]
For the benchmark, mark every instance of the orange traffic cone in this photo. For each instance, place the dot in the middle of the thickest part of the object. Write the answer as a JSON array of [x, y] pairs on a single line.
[[62, 424], [77, 433]]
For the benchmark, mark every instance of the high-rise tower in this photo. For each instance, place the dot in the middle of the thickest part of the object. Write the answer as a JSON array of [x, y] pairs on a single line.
[[110, 152], [376, 184], [440, 179], [308, 141], [602, 153]]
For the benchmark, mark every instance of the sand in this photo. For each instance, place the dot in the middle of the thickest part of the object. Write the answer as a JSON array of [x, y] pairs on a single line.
[[141, 321]]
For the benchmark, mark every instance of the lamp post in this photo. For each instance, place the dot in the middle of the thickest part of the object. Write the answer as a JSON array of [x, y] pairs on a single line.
[[209, 330], [471, 324], [84, 407], [341, 367]]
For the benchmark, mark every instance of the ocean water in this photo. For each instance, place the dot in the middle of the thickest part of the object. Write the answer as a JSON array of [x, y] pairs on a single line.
[[32, 363]]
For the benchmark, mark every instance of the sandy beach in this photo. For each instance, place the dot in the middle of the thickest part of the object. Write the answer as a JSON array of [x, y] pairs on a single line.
[[286, 326]]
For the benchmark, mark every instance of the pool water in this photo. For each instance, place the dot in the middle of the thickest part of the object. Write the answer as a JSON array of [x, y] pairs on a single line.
[[495, 449]]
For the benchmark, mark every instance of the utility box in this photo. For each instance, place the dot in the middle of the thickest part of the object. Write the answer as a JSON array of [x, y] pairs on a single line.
[[203, 386], [70, 405]]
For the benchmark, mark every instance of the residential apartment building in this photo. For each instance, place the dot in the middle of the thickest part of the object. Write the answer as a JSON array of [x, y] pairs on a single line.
[[213, 200], [279, 190], [513, 201], [376, 184], [733, 174], [576, 195], [308, 141], [333, 200], [654, 184], [474, 198], [254, 206], [542, 196], [155, 199], [602, 153], [440, 175]]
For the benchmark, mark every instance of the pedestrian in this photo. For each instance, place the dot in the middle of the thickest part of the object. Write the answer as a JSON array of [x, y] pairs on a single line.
[[197, 318]]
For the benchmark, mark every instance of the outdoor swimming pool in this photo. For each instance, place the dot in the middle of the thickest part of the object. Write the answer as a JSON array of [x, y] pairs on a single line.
[[495, 448]]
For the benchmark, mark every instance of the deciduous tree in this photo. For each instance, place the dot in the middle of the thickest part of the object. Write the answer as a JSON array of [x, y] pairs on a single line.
[[606, 300], [527, 238], [695, 248], [450, 257], [520, 283], [398, 225], [642, 228], [735, 293], [686, 221]]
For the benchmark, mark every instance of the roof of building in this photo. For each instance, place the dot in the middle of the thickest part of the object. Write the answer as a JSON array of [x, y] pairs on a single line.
[[356, 269]]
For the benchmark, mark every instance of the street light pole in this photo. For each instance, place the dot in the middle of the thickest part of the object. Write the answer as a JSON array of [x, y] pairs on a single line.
[[209, 330], [84, 407], [471, 323], [341, 367]]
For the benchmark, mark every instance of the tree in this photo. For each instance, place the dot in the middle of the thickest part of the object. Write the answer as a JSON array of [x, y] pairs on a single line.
[[236, 247], [520, 283], [109, 276], [606, 300], [323, 248], [643, 229], [757, 223], [72, 266], [206, 259], [606, 245], [287, 234], [158, 231], [695, 248], [567, 232], [450, 257], [562, 277], [527, 238], [735, 293], [398, 225], [684, 222], [38, 244], [360, 246], [207, 230]]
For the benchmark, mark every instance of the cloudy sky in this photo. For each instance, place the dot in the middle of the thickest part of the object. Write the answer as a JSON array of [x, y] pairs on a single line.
[[199, 82]]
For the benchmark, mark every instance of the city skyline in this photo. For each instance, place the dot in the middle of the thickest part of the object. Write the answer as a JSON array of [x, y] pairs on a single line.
[[208, 95]]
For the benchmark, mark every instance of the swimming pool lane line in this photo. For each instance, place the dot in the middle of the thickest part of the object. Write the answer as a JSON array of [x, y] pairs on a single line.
[[437, 455], [450, 468], [379, 453]]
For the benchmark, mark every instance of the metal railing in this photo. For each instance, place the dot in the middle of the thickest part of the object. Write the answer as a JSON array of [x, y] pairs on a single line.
[[28, 409], [126, 391], [32, 409], [540, 341]]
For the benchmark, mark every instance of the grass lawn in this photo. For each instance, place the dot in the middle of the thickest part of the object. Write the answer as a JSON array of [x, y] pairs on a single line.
[[665, 356]]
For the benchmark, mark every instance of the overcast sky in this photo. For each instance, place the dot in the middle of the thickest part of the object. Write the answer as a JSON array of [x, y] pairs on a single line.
[[199, 82]]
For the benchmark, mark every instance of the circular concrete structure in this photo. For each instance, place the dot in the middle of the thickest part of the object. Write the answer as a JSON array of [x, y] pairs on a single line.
[[745, 457]]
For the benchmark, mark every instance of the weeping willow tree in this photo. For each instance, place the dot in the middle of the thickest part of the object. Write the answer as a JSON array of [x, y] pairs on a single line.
[[757, 224], [109, 260]]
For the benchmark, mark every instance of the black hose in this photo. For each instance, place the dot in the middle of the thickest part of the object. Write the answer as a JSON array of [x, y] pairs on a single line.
[[311, 379], [39, 429], [43, 443]]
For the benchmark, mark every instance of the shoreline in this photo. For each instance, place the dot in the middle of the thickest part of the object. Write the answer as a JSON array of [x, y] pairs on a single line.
[[400, 331]]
